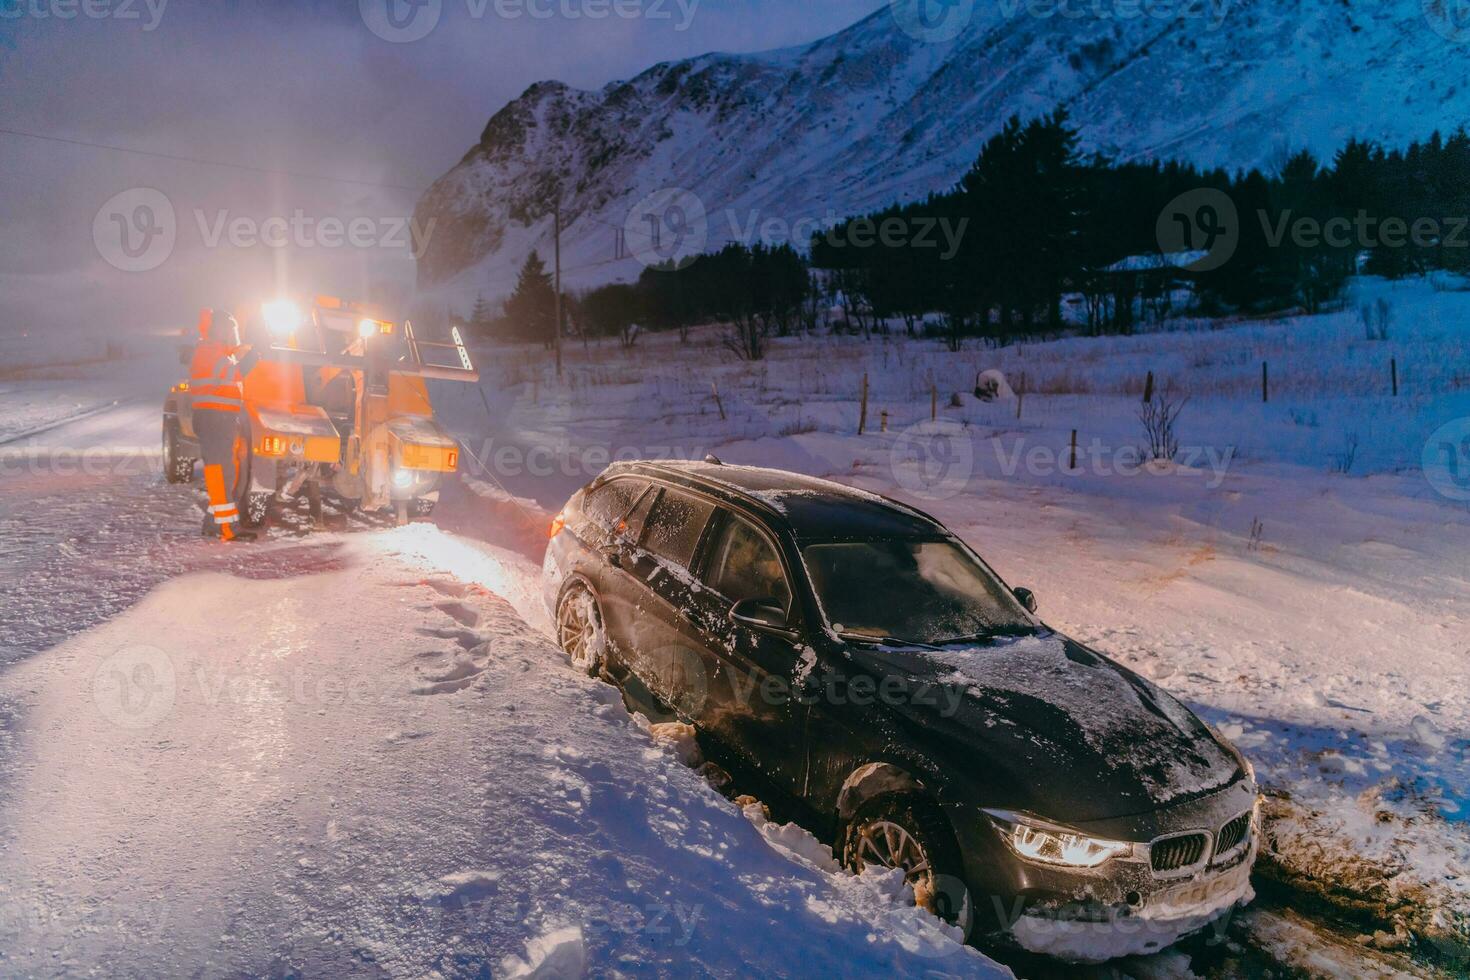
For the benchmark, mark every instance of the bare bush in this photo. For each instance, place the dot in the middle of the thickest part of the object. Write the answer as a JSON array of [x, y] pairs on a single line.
[[1159, 417], [1343, 462]]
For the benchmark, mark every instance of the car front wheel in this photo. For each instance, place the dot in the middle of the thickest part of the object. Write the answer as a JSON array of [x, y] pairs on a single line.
[[579, 630], [910, 833]]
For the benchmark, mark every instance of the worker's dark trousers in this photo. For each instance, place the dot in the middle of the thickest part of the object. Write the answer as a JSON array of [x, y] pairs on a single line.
[[217, 432]]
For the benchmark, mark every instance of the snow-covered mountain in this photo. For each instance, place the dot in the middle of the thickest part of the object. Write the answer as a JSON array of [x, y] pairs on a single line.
[[882, 112]]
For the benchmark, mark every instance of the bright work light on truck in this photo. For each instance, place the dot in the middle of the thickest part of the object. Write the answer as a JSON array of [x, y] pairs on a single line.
[[282, 316]]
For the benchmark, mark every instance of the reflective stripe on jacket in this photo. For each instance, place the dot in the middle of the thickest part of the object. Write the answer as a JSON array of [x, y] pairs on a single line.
[[215, 379]]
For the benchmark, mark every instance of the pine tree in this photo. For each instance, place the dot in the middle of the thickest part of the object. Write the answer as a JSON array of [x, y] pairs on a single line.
[[531, 309], [481, 318]]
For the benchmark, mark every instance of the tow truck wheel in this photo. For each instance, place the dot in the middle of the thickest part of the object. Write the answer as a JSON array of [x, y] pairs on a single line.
[[177, 468], [257, 508], [421, 508]]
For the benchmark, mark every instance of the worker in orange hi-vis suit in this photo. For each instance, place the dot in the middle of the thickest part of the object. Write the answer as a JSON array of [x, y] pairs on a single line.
[[216, 392]]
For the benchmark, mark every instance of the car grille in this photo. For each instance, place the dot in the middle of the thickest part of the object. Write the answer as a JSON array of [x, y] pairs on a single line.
[[1232, 834], [1174, 853]]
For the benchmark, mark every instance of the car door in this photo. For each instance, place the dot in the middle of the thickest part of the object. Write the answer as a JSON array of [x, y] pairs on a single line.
[[664, 645], [615, 513], [752, 711]]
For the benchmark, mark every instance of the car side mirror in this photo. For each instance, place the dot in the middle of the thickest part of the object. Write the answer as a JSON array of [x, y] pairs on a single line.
[[1026, 598], [765, 615]]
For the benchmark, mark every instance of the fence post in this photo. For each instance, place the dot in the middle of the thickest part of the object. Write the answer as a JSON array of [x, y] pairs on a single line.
[[1021, 395], [863, 407], [883, 417], [1148, 389], [1393, 367], [1073, 465], [1265, 383], [933, 402], [715, 390]]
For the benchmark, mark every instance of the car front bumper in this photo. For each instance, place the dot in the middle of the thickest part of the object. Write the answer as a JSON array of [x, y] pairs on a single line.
[[1125, 906], [1137, 914]]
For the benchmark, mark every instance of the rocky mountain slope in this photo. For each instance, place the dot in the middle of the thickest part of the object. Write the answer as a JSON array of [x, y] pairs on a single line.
[[882, 111]]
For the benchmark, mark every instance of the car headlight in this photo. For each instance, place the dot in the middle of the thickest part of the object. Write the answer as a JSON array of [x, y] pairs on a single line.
[[1046, 843]]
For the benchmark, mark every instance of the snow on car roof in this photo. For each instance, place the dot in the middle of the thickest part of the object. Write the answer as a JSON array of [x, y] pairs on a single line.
[[813, 508]]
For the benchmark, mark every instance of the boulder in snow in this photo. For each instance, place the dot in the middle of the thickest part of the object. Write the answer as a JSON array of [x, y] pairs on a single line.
[[991, 386]]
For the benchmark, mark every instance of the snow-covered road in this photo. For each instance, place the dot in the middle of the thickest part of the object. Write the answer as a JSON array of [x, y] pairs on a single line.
[[355, 755], [358, 768]]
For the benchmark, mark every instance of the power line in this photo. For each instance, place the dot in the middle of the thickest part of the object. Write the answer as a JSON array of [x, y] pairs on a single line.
[[200, 161]]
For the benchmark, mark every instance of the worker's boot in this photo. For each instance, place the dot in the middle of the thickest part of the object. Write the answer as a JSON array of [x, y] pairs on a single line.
[[243, 536]]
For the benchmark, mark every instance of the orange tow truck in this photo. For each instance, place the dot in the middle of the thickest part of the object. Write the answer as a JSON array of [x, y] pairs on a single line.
[[338, 405]]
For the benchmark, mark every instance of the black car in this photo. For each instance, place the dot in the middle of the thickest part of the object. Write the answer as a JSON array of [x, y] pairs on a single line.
[[862, 670]]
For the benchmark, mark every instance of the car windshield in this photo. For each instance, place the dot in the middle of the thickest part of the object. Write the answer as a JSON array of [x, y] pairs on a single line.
[[928, 592]]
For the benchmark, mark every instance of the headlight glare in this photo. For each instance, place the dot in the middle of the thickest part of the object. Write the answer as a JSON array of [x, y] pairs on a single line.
[[1045, 843], [282, 316]]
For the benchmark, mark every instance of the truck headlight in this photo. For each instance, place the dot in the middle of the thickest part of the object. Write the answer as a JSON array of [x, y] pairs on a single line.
[[282, 316], [1046, 843], [402, 479]]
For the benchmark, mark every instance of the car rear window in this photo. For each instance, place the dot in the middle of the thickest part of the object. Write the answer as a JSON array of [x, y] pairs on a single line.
[[674, 525], [610, 502]]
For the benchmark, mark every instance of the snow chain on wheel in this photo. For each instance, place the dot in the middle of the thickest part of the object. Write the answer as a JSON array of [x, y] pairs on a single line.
[[910, 832], [579, 630]]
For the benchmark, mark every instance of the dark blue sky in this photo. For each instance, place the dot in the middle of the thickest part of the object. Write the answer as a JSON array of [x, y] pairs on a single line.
[[304, 86]]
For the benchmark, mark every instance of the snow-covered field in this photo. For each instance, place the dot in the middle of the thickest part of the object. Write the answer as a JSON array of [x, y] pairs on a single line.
[[1299, 580], [359, 754]]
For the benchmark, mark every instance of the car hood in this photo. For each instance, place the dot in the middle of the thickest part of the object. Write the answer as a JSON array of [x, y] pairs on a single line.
[[1054, 728]]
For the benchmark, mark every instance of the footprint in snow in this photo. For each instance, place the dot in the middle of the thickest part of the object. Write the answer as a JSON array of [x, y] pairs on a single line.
[[445, 687], [467, 639], [460, 613], [456, 590], [463, 667]]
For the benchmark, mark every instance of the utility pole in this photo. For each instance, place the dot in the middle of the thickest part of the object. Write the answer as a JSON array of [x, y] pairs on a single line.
[[556, 336]]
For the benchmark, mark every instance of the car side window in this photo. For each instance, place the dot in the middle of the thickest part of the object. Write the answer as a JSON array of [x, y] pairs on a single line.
[[744, 565], [630, 528], [674, 525], [610, 502]]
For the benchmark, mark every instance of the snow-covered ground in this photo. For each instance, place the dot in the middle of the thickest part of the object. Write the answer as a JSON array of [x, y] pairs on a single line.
[[1300, 581], [355, 755], [361, 766], [359, 754]]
